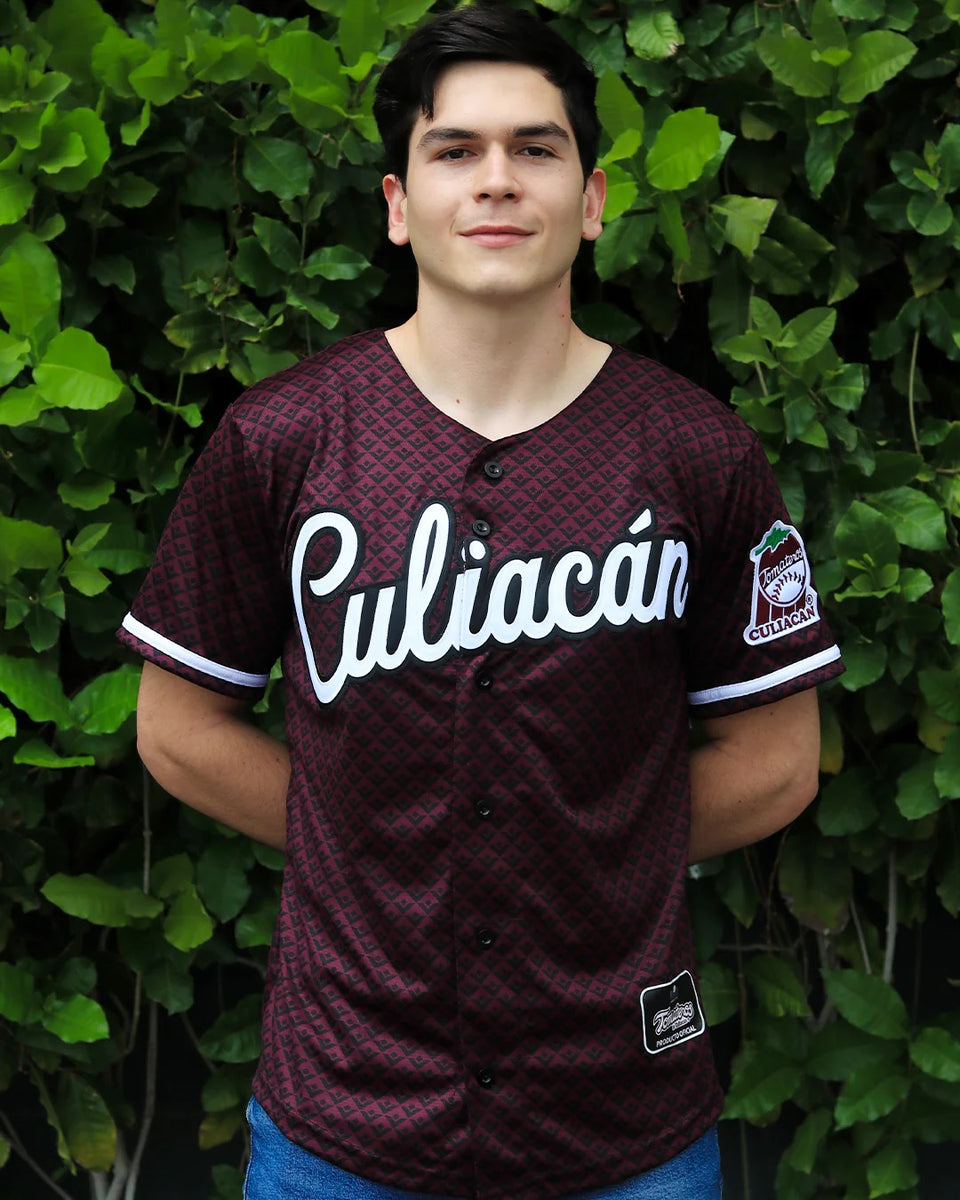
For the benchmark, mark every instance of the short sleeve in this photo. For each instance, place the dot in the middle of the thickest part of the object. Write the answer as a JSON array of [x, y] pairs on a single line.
[[755, 627], [214, 607]]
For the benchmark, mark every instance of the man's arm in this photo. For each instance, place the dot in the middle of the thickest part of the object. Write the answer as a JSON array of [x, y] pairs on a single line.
[[757, 771], [198, 746]]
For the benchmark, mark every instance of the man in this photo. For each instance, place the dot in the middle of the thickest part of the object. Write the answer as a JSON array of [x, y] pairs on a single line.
[[502, 561]]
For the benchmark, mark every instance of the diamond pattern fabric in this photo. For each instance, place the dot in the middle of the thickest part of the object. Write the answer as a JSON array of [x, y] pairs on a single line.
[[491, 654]]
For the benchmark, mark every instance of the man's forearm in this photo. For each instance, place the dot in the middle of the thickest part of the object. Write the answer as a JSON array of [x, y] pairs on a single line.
[[198, 746], [756, 772]]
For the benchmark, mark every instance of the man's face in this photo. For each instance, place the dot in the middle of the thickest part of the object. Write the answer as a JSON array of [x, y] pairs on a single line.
[[495, 204]]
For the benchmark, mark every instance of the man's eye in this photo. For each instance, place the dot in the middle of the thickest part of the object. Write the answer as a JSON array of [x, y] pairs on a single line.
[[454, 154], [537, 152]]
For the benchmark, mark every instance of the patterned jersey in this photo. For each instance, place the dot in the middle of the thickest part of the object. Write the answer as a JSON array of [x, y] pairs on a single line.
[[482, 978]]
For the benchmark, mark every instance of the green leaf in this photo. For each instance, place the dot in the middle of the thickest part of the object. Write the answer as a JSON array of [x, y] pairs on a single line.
[[222, 877], [865, 663], [946, 772], [838, 1049], [807, 334], [762, 1081], [917, 519], [87, 579], [777, 986], [869, 1093], [279, 166], [867, 1002], [892, 1169], [335, 262], [235, 1035], [361, 29], [822, 152], [26, 545], [764, 317], [114, 270], [29, 284], [847, 804], [159, 79], [18, 998], [845, 388], [73, 28], [75, 372], [16, 196], [99, 902], [33, 688], [745, 220], [622, 242], [748, 347], [308, 63], [790, 60], [917, 795], [937, 1054], [106, 702], [170, 985], [866, 539], [35, 753], [950, 602], [653, 34], [815, 886], [83, 131], [929, 215], [941, 690], [188, 924], [255, 927], [77, 1019], [670, 224], [802, 1152], [86, 491], [8, 723], [618, 109], [131, 131], [685, 143], [87, 1125], [877, 57]]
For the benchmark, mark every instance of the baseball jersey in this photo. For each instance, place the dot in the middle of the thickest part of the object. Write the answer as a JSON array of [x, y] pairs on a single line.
[[482, 980]]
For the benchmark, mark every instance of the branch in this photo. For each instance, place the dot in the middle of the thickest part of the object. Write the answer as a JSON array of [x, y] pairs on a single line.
[[149, 1103], [891, 917], [17, 1146], [860, 937]]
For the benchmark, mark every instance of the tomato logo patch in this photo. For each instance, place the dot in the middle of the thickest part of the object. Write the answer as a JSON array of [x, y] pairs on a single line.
[[783, 595]]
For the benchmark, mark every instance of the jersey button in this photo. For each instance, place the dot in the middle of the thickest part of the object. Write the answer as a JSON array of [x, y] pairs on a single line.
[[485, 938], [483, 680], [492, 470], [485, 1077], [484, 809], [482, 528]]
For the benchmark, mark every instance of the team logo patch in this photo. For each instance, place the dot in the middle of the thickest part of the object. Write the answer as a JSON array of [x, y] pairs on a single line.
[[783, 595], [671, 1013]]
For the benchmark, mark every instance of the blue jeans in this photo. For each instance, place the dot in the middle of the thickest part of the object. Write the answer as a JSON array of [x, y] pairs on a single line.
[[281, 1170]]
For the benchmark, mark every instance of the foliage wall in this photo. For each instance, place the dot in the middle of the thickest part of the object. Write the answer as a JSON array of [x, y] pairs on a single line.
[[189, 201]]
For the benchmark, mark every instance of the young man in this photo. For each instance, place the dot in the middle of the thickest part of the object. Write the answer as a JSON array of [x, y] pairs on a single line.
[[502, 562]]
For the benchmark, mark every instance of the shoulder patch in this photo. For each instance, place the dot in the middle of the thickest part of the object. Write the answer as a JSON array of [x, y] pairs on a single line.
[[783, 598]]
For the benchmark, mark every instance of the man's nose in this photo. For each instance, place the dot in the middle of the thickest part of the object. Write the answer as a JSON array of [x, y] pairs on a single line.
[[496, 176]]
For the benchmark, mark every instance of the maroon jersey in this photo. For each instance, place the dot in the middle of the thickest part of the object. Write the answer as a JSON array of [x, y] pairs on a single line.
[[482, 979]]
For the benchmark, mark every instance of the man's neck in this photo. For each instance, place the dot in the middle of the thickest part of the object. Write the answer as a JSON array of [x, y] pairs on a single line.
[[495, 367]]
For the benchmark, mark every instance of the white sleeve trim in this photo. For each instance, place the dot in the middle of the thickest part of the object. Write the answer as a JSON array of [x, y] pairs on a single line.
[[182, 655], [749, 687]]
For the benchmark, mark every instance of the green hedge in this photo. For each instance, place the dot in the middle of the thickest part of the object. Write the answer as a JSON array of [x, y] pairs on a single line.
[[188, 202]]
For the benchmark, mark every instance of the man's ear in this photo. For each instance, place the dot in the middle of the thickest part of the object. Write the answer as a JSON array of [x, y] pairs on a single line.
[[396, 198], [594, 195]]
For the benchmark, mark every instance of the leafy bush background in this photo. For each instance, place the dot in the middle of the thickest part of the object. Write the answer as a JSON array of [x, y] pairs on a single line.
[[188, 202]]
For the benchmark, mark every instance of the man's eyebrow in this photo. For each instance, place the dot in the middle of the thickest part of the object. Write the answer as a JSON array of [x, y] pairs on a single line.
[[450, 133]]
